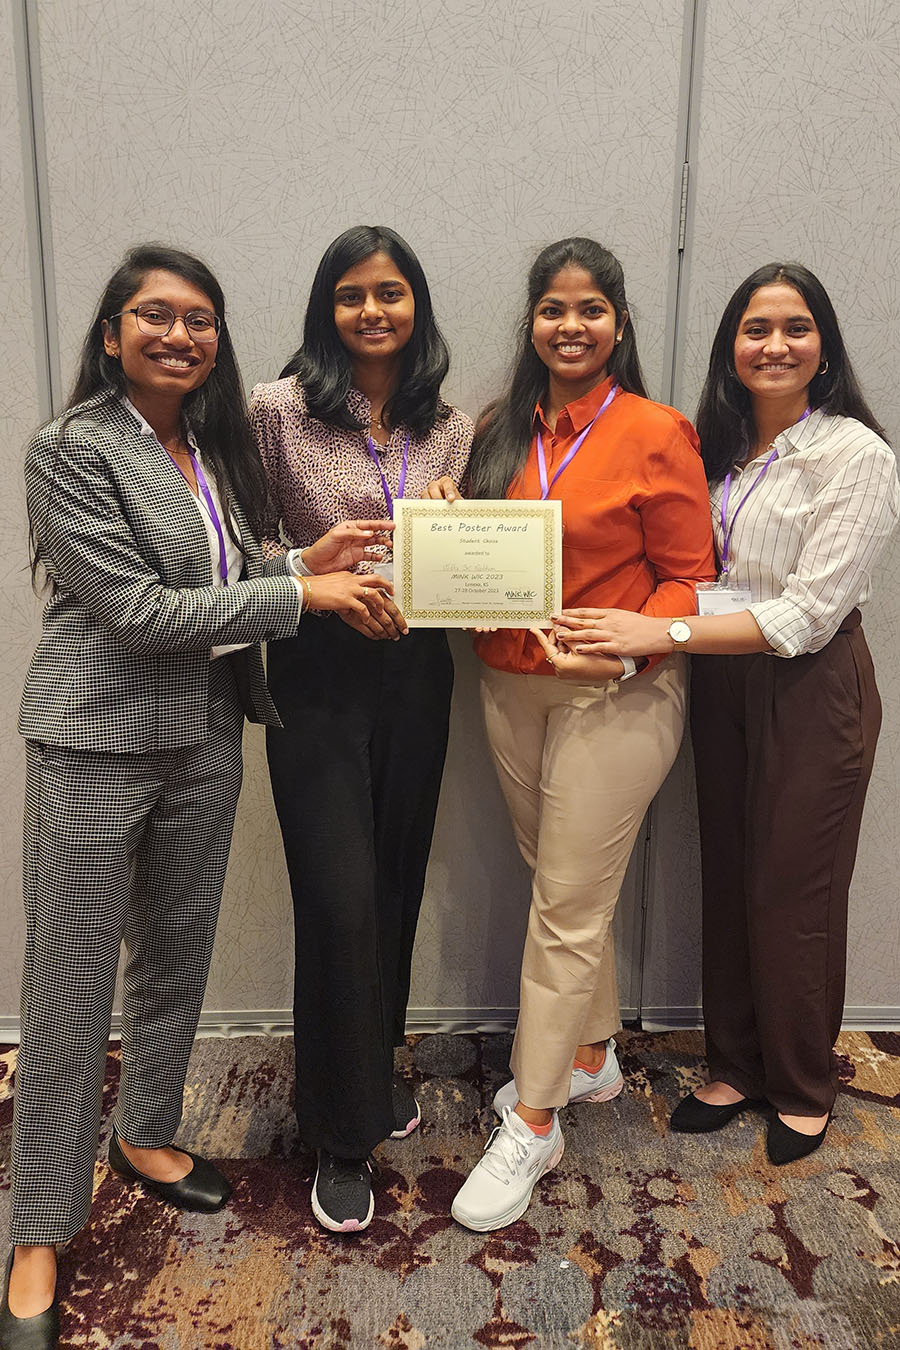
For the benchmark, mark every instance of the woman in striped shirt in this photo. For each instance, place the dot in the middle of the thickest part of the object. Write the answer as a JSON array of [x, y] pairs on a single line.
[[804, 494]]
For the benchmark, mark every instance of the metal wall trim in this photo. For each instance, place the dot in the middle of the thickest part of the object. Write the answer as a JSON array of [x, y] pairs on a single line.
[[37, 207], [682, 219], [682, 201], [453, 1021]]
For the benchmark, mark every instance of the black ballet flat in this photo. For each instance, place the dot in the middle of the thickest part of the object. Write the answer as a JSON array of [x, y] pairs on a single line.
[[693, 1116], [204, 1189], [785, 1145], [27, 1333]]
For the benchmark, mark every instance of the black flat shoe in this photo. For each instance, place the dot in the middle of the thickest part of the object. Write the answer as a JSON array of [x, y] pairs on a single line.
[[693, 1116], [785, 1145], [27, 1333], [204, 1189]]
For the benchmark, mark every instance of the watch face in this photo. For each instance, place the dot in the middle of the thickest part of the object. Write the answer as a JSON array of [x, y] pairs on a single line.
[[679, 631]]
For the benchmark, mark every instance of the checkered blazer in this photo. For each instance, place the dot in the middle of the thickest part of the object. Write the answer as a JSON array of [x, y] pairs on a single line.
[[123, 661]]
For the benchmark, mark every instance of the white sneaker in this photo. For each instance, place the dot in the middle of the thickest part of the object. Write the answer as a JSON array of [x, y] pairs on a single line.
[[601, 1086], [498, 1188]]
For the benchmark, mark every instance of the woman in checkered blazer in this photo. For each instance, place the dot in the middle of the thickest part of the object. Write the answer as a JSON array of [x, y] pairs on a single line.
[[143, 498]]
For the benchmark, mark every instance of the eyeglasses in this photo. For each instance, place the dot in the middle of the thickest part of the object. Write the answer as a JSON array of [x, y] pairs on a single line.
[[159, 320]]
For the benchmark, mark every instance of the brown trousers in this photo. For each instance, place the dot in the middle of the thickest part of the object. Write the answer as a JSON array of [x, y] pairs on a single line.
[[783, 752]]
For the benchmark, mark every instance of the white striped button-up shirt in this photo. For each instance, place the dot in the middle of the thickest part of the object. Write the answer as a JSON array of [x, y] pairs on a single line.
[[808, 536]]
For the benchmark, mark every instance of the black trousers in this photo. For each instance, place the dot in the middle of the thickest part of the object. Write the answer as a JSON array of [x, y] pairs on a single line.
[[783, 752], [356, 774]]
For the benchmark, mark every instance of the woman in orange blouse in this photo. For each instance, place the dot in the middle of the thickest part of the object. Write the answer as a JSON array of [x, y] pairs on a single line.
[[579, 764]]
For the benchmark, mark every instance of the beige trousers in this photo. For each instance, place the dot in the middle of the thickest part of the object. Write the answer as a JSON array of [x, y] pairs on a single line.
[[578, 765]]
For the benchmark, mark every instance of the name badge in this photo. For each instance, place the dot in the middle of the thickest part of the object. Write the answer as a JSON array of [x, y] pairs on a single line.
[[714, 598]]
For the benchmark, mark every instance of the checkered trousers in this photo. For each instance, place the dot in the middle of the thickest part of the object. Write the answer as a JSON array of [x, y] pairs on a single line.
[[117, 846]]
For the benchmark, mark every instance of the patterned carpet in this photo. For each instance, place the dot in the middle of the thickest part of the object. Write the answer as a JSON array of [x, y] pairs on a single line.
[[642, 1240]]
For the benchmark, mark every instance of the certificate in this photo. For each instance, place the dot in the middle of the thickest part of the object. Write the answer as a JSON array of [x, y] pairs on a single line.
[[471, 563]]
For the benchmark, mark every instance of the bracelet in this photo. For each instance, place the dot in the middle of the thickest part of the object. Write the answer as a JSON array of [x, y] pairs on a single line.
[[296, 564], [305, 583], [630, 669]]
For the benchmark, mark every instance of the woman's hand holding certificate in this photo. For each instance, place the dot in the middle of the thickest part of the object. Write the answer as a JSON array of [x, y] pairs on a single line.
[[463, 564]]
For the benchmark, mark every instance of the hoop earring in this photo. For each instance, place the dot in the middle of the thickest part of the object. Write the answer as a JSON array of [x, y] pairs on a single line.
[[823, 368]]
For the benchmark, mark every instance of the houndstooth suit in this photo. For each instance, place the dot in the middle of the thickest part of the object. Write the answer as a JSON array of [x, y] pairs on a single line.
[[134, 771]]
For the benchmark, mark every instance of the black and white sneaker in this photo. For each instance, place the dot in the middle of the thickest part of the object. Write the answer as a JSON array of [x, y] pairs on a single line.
[[342, 1198], [406, 1109]]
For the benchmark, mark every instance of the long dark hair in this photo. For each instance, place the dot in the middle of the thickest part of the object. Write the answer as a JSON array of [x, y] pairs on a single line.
[[725, 413], [503, 438], [323, 364], [216, 412]]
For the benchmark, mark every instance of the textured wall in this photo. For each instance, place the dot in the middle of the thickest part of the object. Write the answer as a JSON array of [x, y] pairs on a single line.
[[797, 157], [253, 134], [258, 133]]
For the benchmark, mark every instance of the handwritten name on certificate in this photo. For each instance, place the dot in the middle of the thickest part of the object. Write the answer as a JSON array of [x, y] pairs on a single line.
[[470, 563]]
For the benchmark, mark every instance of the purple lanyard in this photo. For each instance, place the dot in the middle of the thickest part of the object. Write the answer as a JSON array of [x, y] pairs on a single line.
[[573, 449], [728, 530], [208, 498], [404, 465]]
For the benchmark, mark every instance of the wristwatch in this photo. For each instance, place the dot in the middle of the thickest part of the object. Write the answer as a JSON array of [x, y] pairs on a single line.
[[679, 631]]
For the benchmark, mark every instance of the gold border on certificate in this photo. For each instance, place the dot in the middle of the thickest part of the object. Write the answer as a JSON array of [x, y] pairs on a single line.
[[412, 513]]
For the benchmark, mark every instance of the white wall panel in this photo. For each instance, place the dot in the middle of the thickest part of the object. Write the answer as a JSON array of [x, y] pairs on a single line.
[[19, 415], [797, 157], [257, 133], [254, 134]]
